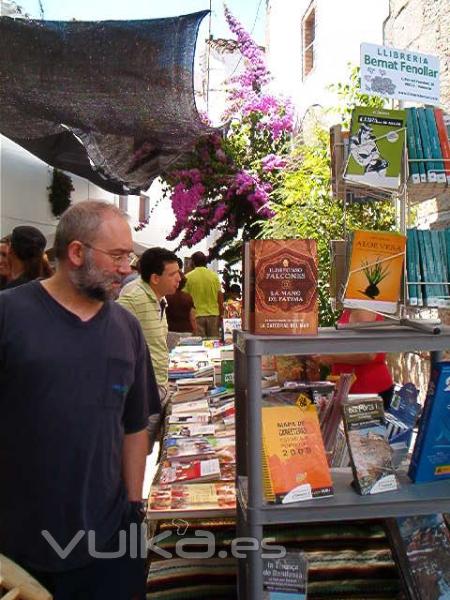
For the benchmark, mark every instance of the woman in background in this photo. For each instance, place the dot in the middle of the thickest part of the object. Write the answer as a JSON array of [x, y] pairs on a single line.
[[180, 310], [370, 369]]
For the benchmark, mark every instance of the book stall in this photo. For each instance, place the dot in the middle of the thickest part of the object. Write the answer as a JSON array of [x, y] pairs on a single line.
[[331, 456], [336, 493]]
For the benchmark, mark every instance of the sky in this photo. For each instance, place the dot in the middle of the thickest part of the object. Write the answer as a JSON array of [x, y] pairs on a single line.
[[251, 13]]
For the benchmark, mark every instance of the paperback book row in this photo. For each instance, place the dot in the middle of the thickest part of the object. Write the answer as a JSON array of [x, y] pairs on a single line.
[[428, 267], [372, 152], [428, 145]]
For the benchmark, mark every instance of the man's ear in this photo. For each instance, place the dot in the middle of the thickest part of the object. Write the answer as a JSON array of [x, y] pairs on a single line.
[[75, 253], [154, 279]]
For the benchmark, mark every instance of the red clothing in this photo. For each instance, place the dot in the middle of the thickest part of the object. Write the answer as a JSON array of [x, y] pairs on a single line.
[[371, 377]]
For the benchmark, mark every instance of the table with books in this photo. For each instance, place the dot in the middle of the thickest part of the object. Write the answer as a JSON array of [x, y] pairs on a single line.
[[194, 486]]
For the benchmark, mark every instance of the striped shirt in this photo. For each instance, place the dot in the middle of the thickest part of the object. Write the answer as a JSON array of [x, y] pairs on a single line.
[[142, 302]]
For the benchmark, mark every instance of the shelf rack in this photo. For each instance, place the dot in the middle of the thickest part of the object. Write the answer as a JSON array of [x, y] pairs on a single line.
[[252, 512]]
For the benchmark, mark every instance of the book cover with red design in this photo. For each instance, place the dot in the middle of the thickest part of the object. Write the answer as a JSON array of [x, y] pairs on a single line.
[[285, 287]]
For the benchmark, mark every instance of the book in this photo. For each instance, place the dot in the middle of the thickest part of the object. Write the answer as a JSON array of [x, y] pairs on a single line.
[[192, 497], [188, 430], [248, 289], [338, 249], [413, 158], [190, 407], [375, 270], [229, 326], [294, 461], [285, 287], [196, 470], [436, 151], [285, 578], [189, 394], [411, 269], [444, 140], [431, 455], [377, 138], [419, 149], [370, 453], [202, 417], [426, 145], [424, 545]]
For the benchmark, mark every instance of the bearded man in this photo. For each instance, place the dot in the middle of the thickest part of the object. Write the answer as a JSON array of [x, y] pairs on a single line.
[[77, 388]]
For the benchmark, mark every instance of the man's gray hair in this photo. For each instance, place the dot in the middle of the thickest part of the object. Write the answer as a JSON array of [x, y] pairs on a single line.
[[81, 222]]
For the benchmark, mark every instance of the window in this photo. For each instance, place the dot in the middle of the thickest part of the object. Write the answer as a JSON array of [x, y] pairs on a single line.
[[144, 208], [308, 35], [123, 203]]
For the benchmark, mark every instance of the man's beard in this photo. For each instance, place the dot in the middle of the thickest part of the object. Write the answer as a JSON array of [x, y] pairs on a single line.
[[95, 283]]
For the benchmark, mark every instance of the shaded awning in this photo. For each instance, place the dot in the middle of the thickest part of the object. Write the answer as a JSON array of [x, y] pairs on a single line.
[[111, 101]]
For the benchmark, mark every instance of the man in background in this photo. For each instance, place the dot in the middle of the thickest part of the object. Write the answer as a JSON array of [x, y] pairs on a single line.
[[204, 287], [77, 383], [160, 275]]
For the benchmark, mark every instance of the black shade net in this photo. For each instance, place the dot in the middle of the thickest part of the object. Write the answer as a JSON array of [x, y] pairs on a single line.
[[111, 101]]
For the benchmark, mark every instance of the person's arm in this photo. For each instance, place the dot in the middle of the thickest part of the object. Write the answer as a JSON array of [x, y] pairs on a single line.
[[193, 321], [134, 455]]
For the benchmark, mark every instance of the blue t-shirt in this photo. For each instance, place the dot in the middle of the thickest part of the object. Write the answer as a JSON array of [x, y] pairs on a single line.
[[69, 391]]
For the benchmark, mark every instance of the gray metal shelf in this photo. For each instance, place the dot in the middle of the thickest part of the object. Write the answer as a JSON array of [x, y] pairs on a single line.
[[383, 339], [252, 512], [346, 504]]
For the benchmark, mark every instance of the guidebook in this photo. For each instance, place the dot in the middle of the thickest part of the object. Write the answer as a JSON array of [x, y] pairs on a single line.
[[377, 139], [375, 270], [294, 462], [370, 453]]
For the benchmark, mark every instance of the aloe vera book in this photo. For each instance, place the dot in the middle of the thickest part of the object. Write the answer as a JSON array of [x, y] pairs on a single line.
[[375, 270]]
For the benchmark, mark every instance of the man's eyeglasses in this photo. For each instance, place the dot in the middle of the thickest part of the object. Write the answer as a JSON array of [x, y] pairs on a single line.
[[118, 258]]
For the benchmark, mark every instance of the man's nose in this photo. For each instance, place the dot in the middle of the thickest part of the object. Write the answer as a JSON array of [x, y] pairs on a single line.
[[124, 269]]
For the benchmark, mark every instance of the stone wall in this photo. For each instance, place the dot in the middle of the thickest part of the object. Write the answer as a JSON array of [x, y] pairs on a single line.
[[424, 26]]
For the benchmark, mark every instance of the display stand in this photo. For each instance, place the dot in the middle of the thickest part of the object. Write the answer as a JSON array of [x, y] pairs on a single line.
[[407, 192], [253, 513]]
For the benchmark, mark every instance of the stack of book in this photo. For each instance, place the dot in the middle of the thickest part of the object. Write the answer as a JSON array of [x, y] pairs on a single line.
[[197, 466], [428, 267], [428, 145]]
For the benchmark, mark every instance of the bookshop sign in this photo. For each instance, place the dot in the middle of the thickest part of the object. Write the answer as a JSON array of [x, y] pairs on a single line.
[[401, 74]]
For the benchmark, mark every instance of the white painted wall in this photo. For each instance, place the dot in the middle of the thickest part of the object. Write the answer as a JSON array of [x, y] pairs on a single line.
[[24, 180], [341, 25]]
